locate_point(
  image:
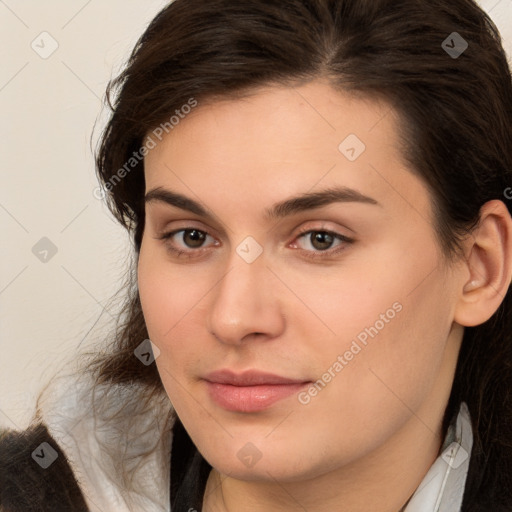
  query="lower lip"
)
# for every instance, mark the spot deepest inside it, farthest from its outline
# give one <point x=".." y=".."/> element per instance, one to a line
<point x="251" y="398"/>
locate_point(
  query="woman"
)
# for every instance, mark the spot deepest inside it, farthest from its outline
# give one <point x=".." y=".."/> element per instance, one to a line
<point x="319" y="197"/>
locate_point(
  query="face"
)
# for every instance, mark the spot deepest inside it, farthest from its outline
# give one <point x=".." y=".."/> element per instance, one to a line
<point x="285" y="235"/>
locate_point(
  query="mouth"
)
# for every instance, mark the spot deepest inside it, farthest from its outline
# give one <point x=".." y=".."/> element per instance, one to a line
<point x="250" y="391"/>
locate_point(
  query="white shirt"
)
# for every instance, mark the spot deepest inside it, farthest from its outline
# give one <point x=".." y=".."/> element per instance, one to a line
<point x="442" y="489"/>
<point x="120" y="455"/>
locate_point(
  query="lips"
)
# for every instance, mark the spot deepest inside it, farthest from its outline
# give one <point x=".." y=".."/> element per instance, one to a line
<point x="250" y="391"/>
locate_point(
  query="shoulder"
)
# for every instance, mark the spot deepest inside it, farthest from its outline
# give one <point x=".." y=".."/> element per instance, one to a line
<point x="35" y="475"/>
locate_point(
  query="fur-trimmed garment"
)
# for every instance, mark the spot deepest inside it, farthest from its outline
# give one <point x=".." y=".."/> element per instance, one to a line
<point x="108" y="450"/>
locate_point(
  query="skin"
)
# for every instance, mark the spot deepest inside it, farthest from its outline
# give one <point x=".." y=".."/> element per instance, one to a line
<point x="290" y="315"/>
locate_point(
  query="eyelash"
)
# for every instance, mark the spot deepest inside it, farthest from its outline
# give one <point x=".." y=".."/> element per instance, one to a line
<point x="313" y="255"/>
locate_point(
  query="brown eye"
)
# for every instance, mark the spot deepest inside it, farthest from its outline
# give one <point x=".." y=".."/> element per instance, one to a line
<point x="321" y="240"/>
<point x="317" y="244"/>
<point x="188" y="242"/>
<point x="193" y="238"/>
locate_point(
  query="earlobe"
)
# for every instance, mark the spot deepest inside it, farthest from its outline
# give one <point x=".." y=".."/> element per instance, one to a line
<point x="489" y="265"/>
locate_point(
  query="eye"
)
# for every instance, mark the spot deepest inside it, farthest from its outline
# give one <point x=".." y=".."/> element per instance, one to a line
<point x="319" y="240"/>
<point x="186" y="241"/>
<point x="191" y="242"/>
<point x="322" y="243"/>
<point x="192" y="238"/>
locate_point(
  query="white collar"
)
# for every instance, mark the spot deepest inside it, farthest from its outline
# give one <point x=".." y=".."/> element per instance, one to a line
<point x="120" y="456"/>
<point x="442" y="489"/>
<point x="119" y="450"/>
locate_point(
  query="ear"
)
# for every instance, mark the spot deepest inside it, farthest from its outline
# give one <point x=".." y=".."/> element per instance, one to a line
<point x="488" y="264"/>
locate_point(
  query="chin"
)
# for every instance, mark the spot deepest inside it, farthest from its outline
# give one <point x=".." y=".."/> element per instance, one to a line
<point x="265" y="461"/>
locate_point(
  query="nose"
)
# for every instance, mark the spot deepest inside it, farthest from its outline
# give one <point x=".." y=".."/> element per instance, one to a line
<point x="245" y="304"/>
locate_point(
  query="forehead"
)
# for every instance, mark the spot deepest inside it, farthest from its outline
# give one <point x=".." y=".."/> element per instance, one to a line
<point x="282" y="141"/>
<point x="313" y="116"/>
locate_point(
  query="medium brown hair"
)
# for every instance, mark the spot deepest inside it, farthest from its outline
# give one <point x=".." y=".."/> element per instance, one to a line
<point x="456" y="124"/>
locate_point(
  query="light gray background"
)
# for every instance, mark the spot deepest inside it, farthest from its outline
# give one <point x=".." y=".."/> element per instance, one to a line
<point x="49" y="107"/>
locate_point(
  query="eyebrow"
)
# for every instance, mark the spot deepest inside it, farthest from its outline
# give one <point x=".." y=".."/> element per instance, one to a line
<point x="294" y="205"/>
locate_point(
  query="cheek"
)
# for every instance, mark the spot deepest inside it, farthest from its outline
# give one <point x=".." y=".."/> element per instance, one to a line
<point x="165" y="299"/>
<point x="388" y="326"/>
<point x="173" y="305"/>
<point x="167" y="294"/>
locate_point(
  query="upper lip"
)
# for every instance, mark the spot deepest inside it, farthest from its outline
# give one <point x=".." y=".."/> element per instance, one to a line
<point x="249" y="378"/>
